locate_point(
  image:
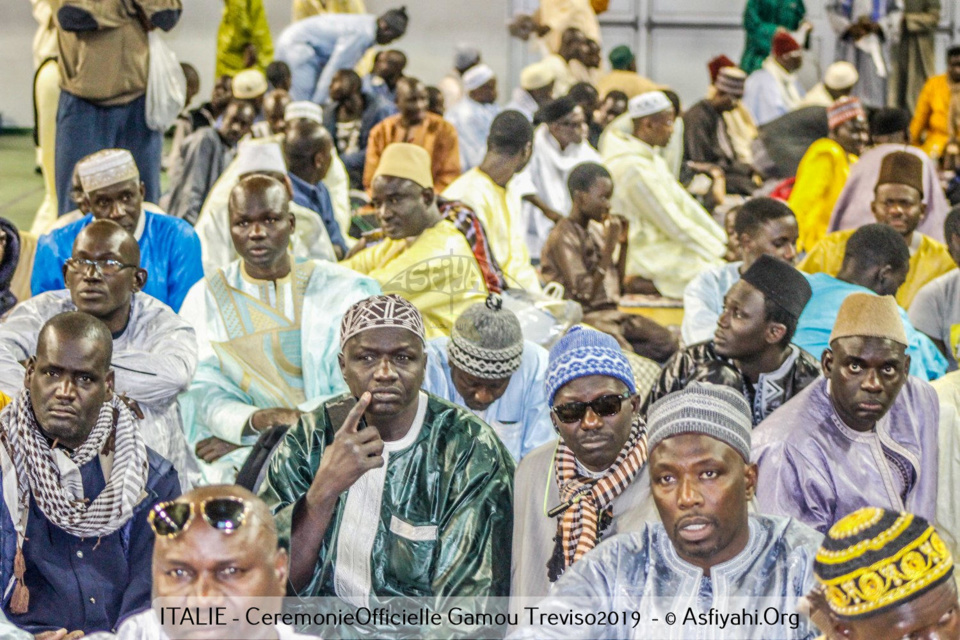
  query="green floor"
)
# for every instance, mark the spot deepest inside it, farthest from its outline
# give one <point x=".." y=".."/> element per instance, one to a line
<point x="21" y="188"/>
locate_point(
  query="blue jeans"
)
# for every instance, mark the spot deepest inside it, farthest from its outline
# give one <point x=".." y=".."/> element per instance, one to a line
<point x="84" y="127"/>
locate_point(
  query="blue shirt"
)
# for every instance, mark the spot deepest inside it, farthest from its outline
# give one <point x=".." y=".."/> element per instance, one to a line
<point x="521" y="416"/>
<point x="816" y="324"/>
<point x="90" y="584"/>
<point x="169" y="251"/>
<point x="375" y="85"/>
<point x="316" y="198"/>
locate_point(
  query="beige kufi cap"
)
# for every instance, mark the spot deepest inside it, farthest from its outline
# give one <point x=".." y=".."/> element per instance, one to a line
<point x="105" y="168"/>
<point x="249" y="84"/>
<point x="840" y="75"/>
<point x="867" y="315"/>
<point x="536" y="76"/>
<point x="408" y="161"/>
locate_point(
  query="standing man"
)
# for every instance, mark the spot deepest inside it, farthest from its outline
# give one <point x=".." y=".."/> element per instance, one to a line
<point x="474" y="113"/>
<point x="266" y="325"/>
<point x="487" y="366"/>
<point x="75" y="514"/>
<point x="912" y="57"/>
<point x="103" y="58"/>
<point x="317" y="47"/>
<point x="243" y="39"/>
<point x="112" y="190"/>
<point x="866" y="29"/>
<point x="418" y="502"/>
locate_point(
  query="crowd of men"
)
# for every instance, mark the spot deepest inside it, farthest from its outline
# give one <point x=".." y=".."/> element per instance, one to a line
<point x="372" y="340"/>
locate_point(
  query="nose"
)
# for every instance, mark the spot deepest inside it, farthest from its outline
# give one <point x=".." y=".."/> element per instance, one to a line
<point x="66" y="389"/>
<point x="483" y="396"/>
<point x="206" y="587"/>
<point x="117" y="211"/>
<point x="385" y="370"/>
<point x="724" y="319"/>
<point x="257" y="230"/>
<point x="688" y="495"/>
<point x="790" y="253"/>
<point x="872" y="382"/>
<point x="591" y="421"/>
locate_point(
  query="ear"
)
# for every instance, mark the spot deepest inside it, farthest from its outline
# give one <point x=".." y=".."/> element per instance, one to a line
<point x="635" y="403"/>
<point x="63" y="270"/>
<point x="143" y="190"/>
<point x="342" y="363"/>
<point x="428" y="196"/>
<point x="280" y="565"/>
<point x="750" y="480"/>
<point x="293" y="221"/>
<point x="84" y="204"/>
<point x="110" y="380"/>
<point x="775" y="332"/>
<point x="826" y="362"/>
<point x="841" y="629"/>
<point x="30" y="368"/>
<point x="906" y="364"/>
<point x="139" y="280"/>
<point x="556" y="424"/>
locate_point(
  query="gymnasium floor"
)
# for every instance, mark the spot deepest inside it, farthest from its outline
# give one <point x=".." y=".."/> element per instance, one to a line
<point x="21" y="189"/>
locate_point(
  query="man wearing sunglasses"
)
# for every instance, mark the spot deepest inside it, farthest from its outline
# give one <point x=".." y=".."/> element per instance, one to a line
<point x="573" y="493"/>
<point x="414" y="501"/>
<point x="751" y="346"/>
<point x="80" y="481"/>
<point x="217" y="544"/>
<point x="154" y="350"/>
<point x="708" y="554"/>
<point x="112" y="190"/>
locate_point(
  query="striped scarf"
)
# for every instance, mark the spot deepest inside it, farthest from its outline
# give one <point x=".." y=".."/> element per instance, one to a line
<point x="52" y="478"/>
<point x="578" y="527"/>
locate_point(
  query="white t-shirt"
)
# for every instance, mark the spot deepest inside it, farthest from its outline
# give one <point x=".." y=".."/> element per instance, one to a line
<point x="936" y="312"/>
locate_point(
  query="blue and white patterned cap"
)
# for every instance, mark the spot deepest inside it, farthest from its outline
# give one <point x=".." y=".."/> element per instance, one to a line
<point x="586" y="352"/>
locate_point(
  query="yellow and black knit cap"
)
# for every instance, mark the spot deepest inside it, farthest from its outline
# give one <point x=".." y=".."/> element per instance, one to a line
<point x="873" y="560"/>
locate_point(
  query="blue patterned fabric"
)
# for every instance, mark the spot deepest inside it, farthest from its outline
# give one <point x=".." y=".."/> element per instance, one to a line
<point x="586" y="352"/>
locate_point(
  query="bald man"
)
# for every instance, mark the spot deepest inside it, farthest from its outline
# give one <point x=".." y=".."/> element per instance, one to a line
<point x="308" y="152"/>
<point x="199" y="558"/>
<point x="80" y="481"/>
<point x="258" y="358"/>
<point x="154" y="350"/>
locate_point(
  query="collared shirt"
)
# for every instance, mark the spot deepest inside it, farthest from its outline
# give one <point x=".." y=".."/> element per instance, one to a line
<point x="521" y="416"/>
<point x="642" y="571"/>
<point x="169" y="252"/>
<point x="87" y="584"/>
<point x="316" y="197"/>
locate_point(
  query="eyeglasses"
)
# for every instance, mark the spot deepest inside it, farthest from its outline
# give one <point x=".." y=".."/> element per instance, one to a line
<point x="102" y="267"/>
<point x="170" y="519"/>
<point x="604" y="406"/>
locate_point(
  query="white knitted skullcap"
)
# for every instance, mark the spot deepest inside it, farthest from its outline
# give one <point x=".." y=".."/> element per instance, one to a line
<point x="477" y="76"/>
<point x="840" y="75"/>
<point x="649" y="103"/>
<point x="105" y="168"/>
<point x="249" y="84"/>
<point x="258" y="157"/>
<point x="303" y="109"/>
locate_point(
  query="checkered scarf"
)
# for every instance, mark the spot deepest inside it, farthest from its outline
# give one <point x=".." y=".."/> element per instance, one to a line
<point x="578" y="528"/>
<point x="42" y="472"/>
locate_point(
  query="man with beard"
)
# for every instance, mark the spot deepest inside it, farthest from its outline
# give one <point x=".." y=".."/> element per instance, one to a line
<point x="81" y="482"/>
<point x="707" y="550"/>
<point x="405" y="495"/>
<point x="112" y="190"/>
<point x="751" y="347"/>
<point x="865" y="434"/>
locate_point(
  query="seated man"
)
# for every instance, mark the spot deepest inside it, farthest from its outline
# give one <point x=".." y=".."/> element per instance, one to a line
<point x="307" y="151"/>
<point x="169" y="247"/>
<point x="559" y="144"/>
<point x="586" y="370"/>
<point x="81" y="481"/>
<point x="751" y="348"/>
<point x="838" y="82"/>
<point x="762" y="226"/>
<point x="416" y="503"/>
<point x="824" y="168"/>
<point x="773" y="89"/>
<point x="672" y="238"/>
<point x="487" y="366"/>
<point x="203" y="157"/>
<point x="154" y="351"/>
<point x="474" y="113"/>
<point x="708" y="550"/>
<point x="422" y="257"/>
<point x="888" y="132"/>
<point x="206" y="115"/>
<point x="936" y="310"/>
<point x="485" y="190"/>
<point x="623" y="75"/>
<point x="613" y="105"/>
<point x="274" y="122"/>
<point x="317" y="47"/>
<point x="864" y="434"/>
<point x="931" y="127"/>
<point x="199" y="534"/>
<point x="707" y="140"/>
<point x="898" y="203"/>
<point x="267" y="326"/>
<point x="416" y="125"/>
<point x="876" y="262"/>
<point x="310" y="240"/>
<point x="863" y="548"/>
<point x="588" y="272"/>
<point x="388" y="68"/>
<point x="739" y="123"/>
<point x="350" y="117"/>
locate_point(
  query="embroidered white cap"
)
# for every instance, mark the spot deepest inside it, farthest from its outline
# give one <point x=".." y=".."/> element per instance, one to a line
<point x="303" y="109"/>
<point x="649" y="103"/>
<point x="477" y="76"/>
<point x="105" y="168"/>
<point x="257" y="157"/>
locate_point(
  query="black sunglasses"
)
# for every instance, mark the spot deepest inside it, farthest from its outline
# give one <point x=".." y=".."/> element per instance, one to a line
<point x="170" y="519"/>
<point x="604" y="406"/>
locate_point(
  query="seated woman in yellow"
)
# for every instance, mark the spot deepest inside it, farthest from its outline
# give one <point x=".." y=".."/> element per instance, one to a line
<point x="931" y="129"/>
<point x="898" y="202"/>
<point x="824" y="169"/>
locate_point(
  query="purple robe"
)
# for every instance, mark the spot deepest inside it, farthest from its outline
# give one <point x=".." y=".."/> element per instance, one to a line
<point x="852" y="210"/>
<point x="817" y="470"/>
